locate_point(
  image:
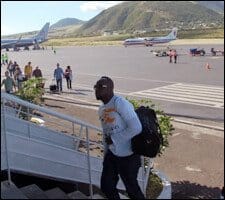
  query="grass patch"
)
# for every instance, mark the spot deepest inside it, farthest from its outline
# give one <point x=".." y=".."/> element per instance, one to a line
<point x="65" y="42"/>
<point x="201" y="34"/>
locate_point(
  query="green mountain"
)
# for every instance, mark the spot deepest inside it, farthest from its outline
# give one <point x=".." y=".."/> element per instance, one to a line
<point x="152" y="15"/>
<point x="67" y="22"/>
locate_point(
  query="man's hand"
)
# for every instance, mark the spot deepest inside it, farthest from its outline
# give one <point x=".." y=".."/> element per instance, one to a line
<point x="108" y="140"/>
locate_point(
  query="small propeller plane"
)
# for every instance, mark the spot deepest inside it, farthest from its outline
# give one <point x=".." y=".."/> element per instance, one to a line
<point x="150" y="41"/>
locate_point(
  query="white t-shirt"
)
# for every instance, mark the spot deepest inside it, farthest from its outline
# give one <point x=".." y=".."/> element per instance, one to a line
<point x="121" y="123"/>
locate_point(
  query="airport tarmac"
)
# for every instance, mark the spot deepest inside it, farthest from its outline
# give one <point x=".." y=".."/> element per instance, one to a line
<point x="183" y="89"/>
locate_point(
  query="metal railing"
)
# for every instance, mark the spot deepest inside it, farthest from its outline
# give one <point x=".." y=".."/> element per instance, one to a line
<point x="60" y="123"/>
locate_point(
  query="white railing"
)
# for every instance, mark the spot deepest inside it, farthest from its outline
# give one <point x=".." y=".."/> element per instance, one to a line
<point x="12" y="105"/>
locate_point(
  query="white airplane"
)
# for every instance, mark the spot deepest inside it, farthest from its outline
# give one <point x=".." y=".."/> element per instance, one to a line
<point x="149" y="41"/>
<point x="26" y="42"/>
<point x="8" y="43"/>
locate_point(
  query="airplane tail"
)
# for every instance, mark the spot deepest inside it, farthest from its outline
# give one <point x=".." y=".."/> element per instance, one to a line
<point x="173" y="34"/>
<point x="43" y="33"/>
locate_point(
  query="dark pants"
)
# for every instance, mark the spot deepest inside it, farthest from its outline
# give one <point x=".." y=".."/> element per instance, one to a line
<point x="175" y="59"/>
<point x="59" y="84"/>
<point x="11" y="73"/>
<point x="68" y="80"/>
<point x="127" y="167"/>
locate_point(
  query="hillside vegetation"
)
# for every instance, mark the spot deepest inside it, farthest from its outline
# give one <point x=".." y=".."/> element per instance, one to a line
<point x="67" y="22"/>
<point x="118" y="39"/>
<point x="152" y="15"/>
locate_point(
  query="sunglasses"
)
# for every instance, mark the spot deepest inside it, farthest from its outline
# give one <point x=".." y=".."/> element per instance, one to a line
<point x="100" y="86"/>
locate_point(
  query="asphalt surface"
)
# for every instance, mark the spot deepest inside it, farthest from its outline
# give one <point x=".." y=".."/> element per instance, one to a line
<point x="194" y="162"/>
<point x="183" y="89"/>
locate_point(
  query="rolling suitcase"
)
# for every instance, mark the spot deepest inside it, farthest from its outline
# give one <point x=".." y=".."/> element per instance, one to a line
<point x="53" y="87"/>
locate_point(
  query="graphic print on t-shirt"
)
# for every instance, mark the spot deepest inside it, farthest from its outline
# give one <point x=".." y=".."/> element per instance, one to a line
<point x="106" y="115"/>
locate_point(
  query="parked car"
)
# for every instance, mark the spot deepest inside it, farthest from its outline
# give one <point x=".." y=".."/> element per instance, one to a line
<point x="161" y="52"/>
<point x="196" y="51"/>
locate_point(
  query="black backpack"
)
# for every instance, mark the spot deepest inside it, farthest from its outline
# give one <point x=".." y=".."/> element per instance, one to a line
<point x="148" y="142"/>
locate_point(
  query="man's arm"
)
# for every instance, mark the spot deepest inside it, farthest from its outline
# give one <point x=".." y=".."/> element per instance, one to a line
<point x="105" y="144"/>
<point x="133" y="124"/>
<point x="133" y="128"/>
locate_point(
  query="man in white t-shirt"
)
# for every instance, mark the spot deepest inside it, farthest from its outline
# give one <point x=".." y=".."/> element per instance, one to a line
<point x="120" y="123"/>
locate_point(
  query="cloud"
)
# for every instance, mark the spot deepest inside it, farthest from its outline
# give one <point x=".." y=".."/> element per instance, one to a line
<point x="97" y="5"/>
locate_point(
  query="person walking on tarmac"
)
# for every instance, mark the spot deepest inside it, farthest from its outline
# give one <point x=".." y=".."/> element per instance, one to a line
<point x="37" y="72"/>
<point x="9" y="83"/>
<point x="58" y="75"/>
<point x="2" y="59"/>
<point x="28" y="71"/>
<point x="18" y="77"/>
<point x="6" y="58"/>
<point x="68" y="76"/>
<point x="170" y="55"/>
<point x="175" y="56"/>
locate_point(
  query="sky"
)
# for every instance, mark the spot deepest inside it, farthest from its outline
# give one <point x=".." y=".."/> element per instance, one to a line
<point x="26" y="16"/>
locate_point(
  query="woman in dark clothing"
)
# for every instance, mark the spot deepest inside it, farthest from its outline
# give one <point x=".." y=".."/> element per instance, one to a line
<point x="68" y="76"/>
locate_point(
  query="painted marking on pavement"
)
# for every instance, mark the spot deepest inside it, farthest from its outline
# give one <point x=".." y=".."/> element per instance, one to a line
<point x="193" y="169"/>
<point x="202" y="95"/>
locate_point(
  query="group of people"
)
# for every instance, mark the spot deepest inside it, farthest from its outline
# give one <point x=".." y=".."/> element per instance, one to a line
<point x="14" y="75"/>
<point x="59" y="74"/>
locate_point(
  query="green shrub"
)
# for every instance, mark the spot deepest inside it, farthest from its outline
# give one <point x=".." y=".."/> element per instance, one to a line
<point x="31" y="90"/>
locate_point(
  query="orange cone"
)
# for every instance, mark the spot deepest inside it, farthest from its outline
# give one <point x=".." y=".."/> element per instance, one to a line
<point x="207" y="66"/>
